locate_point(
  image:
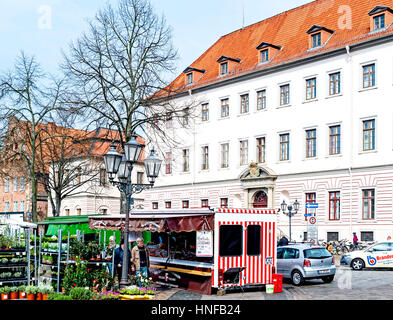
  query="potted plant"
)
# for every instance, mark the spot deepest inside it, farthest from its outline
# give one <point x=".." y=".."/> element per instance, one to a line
<point x="5" y="293"/>
<point x="46" y="290"/>
<point x="31" y="292"/>
<point x="22" y="292"/>
<point x="79" y="293"/>
<point x="38" y="295"/>
<point x="14" y="293"/>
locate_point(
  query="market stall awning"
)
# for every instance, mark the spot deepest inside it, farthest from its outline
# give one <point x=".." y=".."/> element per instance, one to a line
<point x="69" y="223"/>
<point x="163" y="221"/>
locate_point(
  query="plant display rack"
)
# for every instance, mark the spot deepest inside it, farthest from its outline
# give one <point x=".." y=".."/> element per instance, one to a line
<point x="54" y="258"/>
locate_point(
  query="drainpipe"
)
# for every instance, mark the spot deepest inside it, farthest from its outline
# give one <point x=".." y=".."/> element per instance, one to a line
<point x="194" y="154"/>
<point x="350" y="136"/>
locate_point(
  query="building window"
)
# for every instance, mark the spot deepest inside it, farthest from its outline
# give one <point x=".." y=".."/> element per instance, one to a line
<point x="311" y="143"/>
<point x="154" y="205"/>
<point x="316" y="40"/>
<point x="261" y="100"/>
<point x="261" y="150"/>
<point x="186" y="116"/>
<point x="7" y="206"/>
<point x="15" y="207"/>
<point x="335" y="83"/>
<point x="310" y="198"/>
<point x="368" y="200"/>
<point x="224" y="108"/>
<point x="332" y="236"/>
<point x="67" y="212"/>
<point x="224" y="202"/>
<point x="368" y="135"/>
<point x="265" y="55"/>
<point x="169" y="121"/>
<point x="225" y="155"/>
<point x="334" y="140"/>
<point x="103" y="177"/>
<point x="168" y="204"/>
<point x="284" y="95"/>
<point x="369" y="76"/>
<point x="224" y="68"/>
<point x="139" y="177"/>
<point x="185" y="204"/>
<point x="311" y="89"/>
<point x="79" y="211"/>
<point x="243" y="152"/>
<point x="366" y="236"/>
<point x="168" y="163"/>
<point x="22" y="206"/>
<point x="6" y="185"/>
<point x="22" y="183"/>
<point x="205" y="158"/>
<point x="16" y="184"/>
<point x="231" y="240"/>
<point x="244" y="103"/>
<point x="189" y="78"/>
<point x="379" y="22"/>
<point x="205" y="203"/>
<point x="334" y="205"/>
<point x="254" y="240"/>
<point x="205" y="112"/>
<point x="284" y="147"/>
<point x="186" y="160"/>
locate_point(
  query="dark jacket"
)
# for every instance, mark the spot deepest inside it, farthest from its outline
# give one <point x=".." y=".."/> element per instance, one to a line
<point x="283" y="242"/>
<point x="119" y="253"/>
<point x="135" y="257"/>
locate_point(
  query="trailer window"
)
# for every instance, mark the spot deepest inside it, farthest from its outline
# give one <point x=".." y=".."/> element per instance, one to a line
<point x="254" y="240"/>
<point x="231" y="240"/>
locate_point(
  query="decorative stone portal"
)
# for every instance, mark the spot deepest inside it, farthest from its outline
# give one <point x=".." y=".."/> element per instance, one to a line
<point x="258" y="184"/>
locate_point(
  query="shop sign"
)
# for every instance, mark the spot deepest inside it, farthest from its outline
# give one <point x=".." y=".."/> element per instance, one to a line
<point x="204" y="244"/>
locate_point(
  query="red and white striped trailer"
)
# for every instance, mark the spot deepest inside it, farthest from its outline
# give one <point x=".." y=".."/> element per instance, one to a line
<point x="257" y="258"/>
<point x="201" y="249"/>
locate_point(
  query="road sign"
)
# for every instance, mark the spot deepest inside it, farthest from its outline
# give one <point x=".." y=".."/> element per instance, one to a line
<point x="311" y="205"/>
<point x="312" y="228"/>
<point x="313" y="220"/>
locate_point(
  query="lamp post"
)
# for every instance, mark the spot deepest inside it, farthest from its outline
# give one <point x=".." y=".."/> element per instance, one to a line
<point x="122" y="165"/>
<point x="290" y="213"/>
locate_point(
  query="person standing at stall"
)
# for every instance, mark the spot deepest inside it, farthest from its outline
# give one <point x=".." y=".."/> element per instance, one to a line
<point x="140" y="258"/>
<point x="119" y="254"/>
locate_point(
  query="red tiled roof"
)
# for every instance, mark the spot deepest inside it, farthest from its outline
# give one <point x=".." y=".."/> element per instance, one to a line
<point x="288" y="30"/>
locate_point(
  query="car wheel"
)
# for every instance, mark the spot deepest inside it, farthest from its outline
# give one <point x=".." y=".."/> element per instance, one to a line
<point x="328" y="279"/>
<point x="297" y="278"/>
<point x="357" y="264"/>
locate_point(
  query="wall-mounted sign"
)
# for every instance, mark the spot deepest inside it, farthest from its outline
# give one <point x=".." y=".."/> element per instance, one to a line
<point x="204" y="244"/>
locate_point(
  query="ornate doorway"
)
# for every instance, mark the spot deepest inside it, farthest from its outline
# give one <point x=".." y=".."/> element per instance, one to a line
<point x="260" y="200"/>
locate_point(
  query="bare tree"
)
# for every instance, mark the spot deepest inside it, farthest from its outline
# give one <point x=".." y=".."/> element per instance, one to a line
<point x="27" y="97"/>
<point x="116" y="67"/>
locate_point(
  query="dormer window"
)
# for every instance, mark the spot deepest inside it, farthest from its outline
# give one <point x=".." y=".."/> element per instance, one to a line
<point x="379" y="22"/>
<point x="224" y="68"/>
<point x="316" y="40"/>
<point x="226" y="64"/>
<point x="319" y="36"/>
<point x="192" y="75"/>
<point x="267" y="52"/>
<point x="190" y="78"/>
<point x="265" y="55"/>
<point x="380" y="18"/>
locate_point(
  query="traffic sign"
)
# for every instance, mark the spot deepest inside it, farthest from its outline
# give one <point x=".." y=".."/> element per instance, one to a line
<point x="311" y="205"/>
<point x="313" y="220"/>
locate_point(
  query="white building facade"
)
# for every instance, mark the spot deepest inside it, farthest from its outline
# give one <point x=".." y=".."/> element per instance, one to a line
<point x="319" y="129"/>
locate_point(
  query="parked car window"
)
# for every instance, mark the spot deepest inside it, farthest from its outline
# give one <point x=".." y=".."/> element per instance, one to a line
<point x="317" y="253"/>
<point x="290" y="253"/>
<point x="280" y="252"/>
<point x="231" y="240"/>
<point x="382" y="247"/>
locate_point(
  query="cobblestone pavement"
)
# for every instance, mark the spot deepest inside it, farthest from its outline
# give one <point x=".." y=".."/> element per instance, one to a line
<point x="347" y="285"/>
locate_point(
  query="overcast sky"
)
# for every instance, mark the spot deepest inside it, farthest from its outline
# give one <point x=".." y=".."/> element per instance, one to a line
<point x="44" y="27"/>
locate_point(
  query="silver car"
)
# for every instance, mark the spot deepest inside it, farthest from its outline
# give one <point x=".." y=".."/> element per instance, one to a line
<point x="300" y="262"/>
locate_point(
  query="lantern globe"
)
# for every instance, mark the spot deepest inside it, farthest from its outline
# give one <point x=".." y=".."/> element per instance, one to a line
<point x="133" y="149"/>
<point x="152" y="166"/>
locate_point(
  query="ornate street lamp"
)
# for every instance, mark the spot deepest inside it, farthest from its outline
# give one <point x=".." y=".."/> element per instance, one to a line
<point x="292" y="210"/>
<point x="122" y="165"/>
